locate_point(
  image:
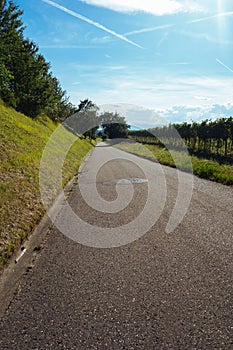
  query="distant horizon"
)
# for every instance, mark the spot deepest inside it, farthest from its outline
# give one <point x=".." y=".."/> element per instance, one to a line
<point x="170" y="60"/>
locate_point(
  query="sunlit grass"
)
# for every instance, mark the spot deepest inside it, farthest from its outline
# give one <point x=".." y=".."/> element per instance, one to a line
<point x="204" y="168"/>
<point x="22" y="141"/>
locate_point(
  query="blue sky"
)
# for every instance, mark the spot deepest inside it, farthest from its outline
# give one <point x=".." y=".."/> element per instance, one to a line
<point x="153" y="61"/>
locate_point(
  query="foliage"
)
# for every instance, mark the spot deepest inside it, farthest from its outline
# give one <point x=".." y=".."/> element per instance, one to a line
<point x="26" y="82"/>
<point x="114" y="125"/>
<point x="208" y="138"/>
<point x="84" y="121"/>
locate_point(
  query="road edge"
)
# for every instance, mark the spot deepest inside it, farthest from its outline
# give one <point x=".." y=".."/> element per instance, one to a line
<point x="24" y="257"/>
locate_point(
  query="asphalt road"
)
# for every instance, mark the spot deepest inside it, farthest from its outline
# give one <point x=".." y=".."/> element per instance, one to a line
<point x="143" y="290"/>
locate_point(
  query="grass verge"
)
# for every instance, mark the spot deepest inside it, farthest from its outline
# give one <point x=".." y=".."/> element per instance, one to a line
<point x="22" y="141"/>
<point x="203" y="168"/>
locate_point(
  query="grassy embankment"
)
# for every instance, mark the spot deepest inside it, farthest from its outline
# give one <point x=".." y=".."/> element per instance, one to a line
<point x="22" y="141"/>
<point x="204" y="168"/>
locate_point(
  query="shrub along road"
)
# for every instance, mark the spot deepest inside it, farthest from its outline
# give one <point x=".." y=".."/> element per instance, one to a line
<point x="162" y="291"/>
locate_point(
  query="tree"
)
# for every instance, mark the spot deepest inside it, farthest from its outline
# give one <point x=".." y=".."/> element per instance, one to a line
<point x="10" y="37"/>
<point x="25" y="78"/>
<point x="5" y="84"/>
<point x="114" y="125"/>
<point x="84" y="120"/>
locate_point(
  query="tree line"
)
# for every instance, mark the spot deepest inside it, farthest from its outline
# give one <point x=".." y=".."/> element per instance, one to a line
<point x="87" y="121"/>
<point x="207" y="138"/>
<point x="26" y="82"/>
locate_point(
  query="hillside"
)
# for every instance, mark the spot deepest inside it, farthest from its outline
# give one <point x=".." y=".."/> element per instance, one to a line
<point x="22" y="141"/>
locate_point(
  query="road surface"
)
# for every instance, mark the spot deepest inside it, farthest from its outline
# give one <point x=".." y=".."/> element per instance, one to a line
<point x="160" y="291"/>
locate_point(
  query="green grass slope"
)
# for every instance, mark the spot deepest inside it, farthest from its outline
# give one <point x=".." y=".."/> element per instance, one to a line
<point x="22" y="141"/>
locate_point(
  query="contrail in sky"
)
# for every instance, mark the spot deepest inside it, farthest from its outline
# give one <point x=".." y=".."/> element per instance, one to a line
<point x="224" y="65"/>
<point x="95" y="24"/>
<point x="146" y="30"/>
<point x="217" y="15"/>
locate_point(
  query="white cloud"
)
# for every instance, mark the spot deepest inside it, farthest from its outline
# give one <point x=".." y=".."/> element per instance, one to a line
<point x="149" y="29"/>
<point x="90" y="70"/>
<point x="178" y="64"/>
<point x="141" y="117"/>
<point x="162" y="91"/>
<point x="101" y="40"/>
<point x="224" y="65"/>
<point x="158" y="92"/>
<point x="161" y="41"/>
<point x="136" y="115"/>
<point x="203" y="98"/>
<point x="158" y="7"/>
<point x="191" y="113"/>
<point x="91" y="22"/>
<point x="217" y="15"/>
